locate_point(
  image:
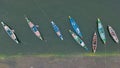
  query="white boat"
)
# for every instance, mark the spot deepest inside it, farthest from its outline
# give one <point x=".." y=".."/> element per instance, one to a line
<point x="9" y="32"/>
<point x="113" y="34"/>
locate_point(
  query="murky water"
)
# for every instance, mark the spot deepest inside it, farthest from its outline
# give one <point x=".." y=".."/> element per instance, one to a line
<point x="41" y="12"/>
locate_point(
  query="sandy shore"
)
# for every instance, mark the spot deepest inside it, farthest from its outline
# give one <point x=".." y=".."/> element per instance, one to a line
<point x="61" y="62"/>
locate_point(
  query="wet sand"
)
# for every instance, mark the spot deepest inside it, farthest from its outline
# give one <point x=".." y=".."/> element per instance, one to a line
<point x="61" y="62"/>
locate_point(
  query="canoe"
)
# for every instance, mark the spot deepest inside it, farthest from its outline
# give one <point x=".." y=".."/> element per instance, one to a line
<point x="10" y="32"/>
<point x="75" y="26"/>
<point x="56" y="29"/>
<point x="94" y="42"/>
<point x="101" y="31"/>
<point x="34" y="28"/>
<point x="113" y="34"/>
<point x="78" y="40"/>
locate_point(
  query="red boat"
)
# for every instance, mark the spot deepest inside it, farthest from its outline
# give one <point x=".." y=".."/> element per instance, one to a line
<point x="94" y="42"/>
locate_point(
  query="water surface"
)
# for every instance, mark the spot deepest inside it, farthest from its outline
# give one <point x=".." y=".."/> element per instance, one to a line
<point x="41" y="12"/>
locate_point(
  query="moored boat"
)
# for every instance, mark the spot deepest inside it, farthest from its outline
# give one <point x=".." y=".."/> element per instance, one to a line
<point x="34" y="28"/>
<point x="94" y="42"/>
<point x="78" y="40"/>
<point x="56" y="29"/>
<point x="10" y="32"/>
<point x="75" y="26"/>
<point x="113" y="34"/>
<point x="101" y="31"/>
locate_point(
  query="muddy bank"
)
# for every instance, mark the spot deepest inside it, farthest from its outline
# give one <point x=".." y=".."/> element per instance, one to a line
<point x="61" y="62"/>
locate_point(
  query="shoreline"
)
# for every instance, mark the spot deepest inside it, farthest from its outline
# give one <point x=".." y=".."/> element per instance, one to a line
<point x="30" y="61"/>
<point x="3" y="56"/>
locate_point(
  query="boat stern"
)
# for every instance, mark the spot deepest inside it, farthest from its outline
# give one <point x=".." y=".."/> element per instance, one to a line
<point x="69" y="17"/>
<point x="104" y="41"/>
<point x="40" y="38"/>
<point x="117" y="41"/>
<point x="108" y="26"/>
<point x="94" y="51"/>
<point x="52" y="22"/>
<point x="27" y="19"/>
<point x="16" y="41"/>
<point x="61" y="38"/>
<point x="95" y="33"/>
<point x="98" y="19"/>
<point x="2" y="24"/>
<point x="84" y="46"/>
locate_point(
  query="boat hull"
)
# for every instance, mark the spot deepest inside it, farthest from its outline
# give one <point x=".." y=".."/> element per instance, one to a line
<point x="9" y="32"/>
<point x="78" y="40"/>
<point x="75" y="26"/>
<point x="94" y="42"/>
<point x="113" y="34"/>
<point x="56" y="29"/>
<point x="34" y="28"/>
<point x="101" y="31"/>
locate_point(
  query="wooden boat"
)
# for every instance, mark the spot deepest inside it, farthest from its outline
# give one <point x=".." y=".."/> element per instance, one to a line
<point x="75" y="26"/>
<point x="113" y="34"/>
<point x="10" y="32"/>
<point x="94" y="42"/>
<point x="34" y="28"/>
<point x="78" y="40"/>
<point x="56" y="29"/>
<point x="101" y="31"/>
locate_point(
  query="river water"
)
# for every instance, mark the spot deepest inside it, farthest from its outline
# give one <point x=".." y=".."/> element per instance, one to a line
<point x="41" y="12"/>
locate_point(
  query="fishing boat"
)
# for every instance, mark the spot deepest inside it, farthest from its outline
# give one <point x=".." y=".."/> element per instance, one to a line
<point x="113" y="34"/>
<point x="10" y="32"/>
<point x="101" y="31"/>
<point x="56" y="29"/>
<point x="75" y="26"/>
<point x="34" y="28"/>
<point x="78" y="40"/>
<point x="94" y="42"/>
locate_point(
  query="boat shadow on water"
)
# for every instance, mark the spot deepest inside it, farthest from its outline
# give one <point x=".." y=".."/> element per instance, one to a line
<point x="18" y="39"/>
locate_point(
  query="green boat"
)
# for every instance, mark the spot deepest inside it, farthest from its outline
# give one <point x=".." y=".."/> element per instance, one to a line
<point x="78" y="40"/>
<point x="101" y="31"/>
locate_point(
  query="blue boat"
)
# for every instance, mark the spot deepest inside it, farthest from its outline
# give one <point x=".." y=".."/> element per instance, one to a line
<point x="56" y="29"/>
<point x="75" y="26"/>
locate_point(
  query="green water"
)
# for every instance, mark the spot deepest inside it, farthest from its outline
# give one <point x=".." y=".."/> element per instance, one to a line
<point x="41" y="12"/>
